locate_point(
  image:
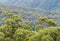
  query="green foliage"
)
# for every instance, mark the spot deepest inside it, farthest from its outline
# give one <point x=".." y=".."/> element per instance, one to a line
<point x="9" y="39"/>
<point x="45" y="20"/>
<point x="58" y="38"/>
<point x="51" y="22"/>
<point x="42" y="19"/>
<point x="34" y="38"/>
<point x="47" y="38"/>
<point x="38" y="27"/>
<point x="26" y="25"/>
<point x="2" y="36"/>
<point x="7" y="30"/>
<point x="17" y="29"/>
<point x="21" y="34"/>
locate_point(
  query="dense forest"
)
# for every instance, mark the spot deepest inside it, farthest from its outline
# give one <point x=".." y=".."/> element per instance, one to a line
<point x="14" y="28"/>
<point x="29" y="20"/>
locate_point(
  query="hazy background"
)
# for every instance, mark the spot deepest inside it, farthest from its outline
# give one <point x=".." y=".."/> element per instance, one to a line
<point x="3" y="0"/>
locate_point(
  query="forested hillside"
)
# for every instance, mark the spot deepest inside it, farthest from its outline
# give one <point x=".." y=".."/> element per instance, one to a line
<point x="32" y="14"/>
<point x="14" y="28"/>
<point x="29" y="20"/>
<point x="23" y="24"/>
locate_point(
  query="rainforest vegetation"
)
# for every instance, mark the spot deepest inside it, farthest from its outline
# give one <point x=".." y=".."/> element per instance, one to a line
<point x="14" y="28"/>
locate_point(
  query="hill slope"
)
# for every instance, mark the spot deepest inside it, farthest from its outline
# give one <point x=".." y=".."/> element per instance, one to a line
<point x="31" y="14"/>
<point x="42" y="4"/>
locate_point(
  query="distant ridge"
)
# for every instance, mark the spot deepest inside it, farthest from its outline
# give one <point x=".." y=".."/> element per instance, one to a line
<point x="40" y="4"/>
